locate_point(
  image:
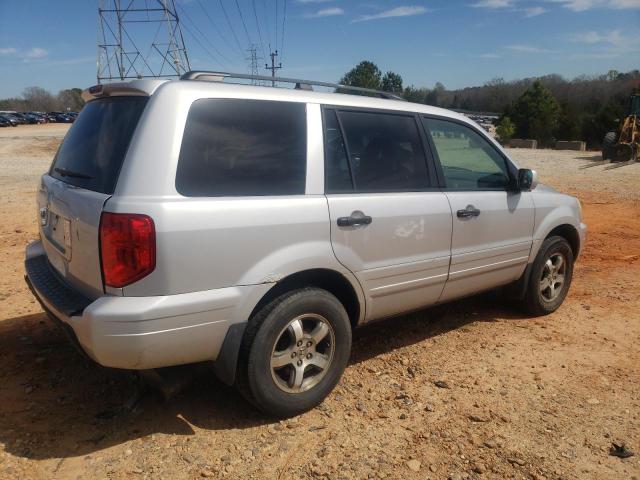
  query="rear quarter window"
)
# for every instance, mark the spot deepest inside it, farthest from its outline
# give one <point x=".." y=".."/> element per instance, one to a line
<point x="234" y="147"/>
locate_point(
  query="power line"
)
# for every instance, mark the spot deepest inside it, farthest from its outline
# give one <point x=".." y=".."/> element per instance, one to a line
<point x="201" y="45"/>
<point x="246" y="31"/>
<point x="233" y="32"/>
<point x="276" y="22"/>
<point x="284" y="20"/>
<point x="215" y="25"/>
<point x="266" y="22"/>
<point x="255" y="13"/>
<point x="184" y="11"/>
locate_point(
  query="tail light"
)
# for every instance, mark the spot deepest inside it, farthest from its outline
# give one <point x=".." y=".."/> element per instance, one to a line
<point x="127" y="247"/>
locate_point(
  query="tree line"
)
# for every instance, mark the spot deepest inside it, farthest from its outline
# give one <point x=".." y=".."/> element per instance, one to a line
<point x="37" y="99"/>
<point x="546" y="108"/>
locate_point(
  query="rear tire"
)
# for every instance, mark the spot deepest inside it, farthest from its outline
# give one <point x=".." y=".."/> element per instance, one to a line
<point x="550" y="277"/>
<point x="294" y="352"/>
<point x="608" y="143"/>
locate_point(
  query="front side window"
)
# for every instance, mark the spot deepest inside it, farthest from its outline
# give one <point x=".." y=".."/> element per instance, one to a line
<point x="235" y="147"/>
<point x="385" y="153"/>
<point x="469" y="161"/>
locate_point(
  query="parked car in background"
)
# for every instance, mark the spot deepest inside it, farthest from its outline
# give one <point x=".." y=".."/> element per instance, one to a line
<point x="62" y="117"/>
<point x="17" y="118"/>
<point x="4" y="122"/>
<point x="37" y="117"/>
<point x="11" y="119"/>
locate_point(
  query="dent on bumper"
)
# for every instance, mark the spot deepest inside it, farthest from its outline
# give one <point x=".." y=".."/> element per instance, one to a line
<point x="152" y="332"/>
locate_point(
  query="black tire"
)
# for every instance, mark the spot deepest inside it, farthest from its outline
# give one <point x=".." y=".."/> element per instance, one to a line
<point x="537" y="302"/>
<point x="608" y="143"/>
<point x="256" y="381"/>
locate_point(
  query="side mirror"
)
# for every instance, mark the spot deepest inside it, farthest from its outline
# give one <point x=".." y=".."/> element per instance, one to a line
<point x="527" y="179"/>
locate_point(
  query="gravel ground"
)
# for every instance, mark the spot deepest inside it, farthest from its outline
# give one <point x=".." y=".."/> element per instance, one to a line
<point x="471" y="390"/>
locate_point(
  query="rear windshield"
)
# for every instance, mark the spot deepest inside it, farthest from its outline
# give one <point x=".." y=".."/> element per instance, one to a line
<point x="93" y="150"/>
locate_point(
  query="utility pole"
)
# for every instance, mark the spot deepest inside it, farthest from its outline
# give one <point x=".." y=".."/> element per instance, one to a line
<point x="273" y="66"/>
<point x="139" y="39"/>
<point x="253" y="63"/>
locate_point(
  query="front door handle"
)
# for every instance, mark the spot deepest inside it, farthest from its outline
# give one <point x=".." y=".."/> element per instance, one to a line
<point x="356" y="218"/>
<point x="468" y="212"/>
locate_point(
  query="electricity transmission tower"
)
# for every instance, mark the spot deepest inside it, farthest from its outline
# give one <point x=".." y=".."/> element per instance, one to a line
<point x="126" y="27"/>
<point x="253" y="60"/>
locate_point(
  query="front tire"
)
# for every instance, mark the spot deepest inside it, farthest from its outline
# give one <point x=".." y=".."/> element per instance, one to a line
<point x="294" y="352"/>
<point x="550" y="277"/>
<point x="608" y="145"/>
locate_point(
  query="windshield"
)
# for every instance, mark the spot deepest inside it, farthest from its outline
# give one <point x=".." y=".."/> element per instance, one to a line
<point x="93" y="150"/>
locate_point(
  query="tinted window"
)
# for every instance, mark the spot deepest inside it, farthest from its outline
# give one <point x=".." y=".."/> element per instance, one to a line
<point x="243" y="148"/>
<point x="385" y="152"/>
<point x="337" y="172"/>
<point x="94" y="148"/>
<point x="469" y="161"/>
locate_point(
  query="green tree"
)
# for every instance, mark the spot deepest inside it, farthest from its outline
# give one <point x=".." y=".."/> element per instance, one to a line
<point x="505" y="129"/>
<point x="435" y="96"/>
<point x="71" y="99"/>
<point x="366" y="75"/>
<point x="392" y="82"/>
<point x="415" y="95"/>
<point x="569" y="124"/>
<point x="535" y="114"/>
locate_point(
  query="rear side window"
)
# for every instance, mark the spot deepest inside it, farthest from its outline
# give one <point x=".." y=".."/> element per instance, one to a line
<point x="384" y="153"/>
<point x="237" y="147"/>
<point x="93" y="150"/>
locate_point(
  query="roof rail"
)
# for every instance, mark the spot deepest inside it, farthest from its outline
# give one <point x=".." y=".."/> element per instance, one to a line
<point x="299" y="84"/>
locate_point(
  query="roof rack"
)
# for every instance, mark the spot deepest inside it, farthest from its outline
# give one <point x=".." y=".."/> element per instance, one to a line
<point x="299" y="84"/>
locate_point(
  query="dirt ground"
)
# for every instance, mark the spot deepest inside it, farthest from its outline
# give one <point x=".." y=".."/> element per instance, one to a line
<point x="527" y="398"/>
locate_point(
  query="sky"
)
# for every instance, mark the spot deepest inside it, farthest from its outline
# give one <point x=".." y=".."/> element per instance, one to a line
<point x="53" y="44"/>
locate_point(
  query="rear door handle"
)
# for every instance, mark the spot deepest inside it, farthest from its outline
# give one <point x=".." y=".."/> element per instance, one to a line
<point x="354" y="220"/>
<point x="468" y="212"/>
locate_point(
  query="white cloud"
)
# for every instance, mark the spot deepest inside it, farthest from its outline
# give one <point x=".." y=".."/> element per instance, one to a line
<point x="525" y="49"/>
<point x="493" y="4"/>
<point x="79" y="60"/>
<point x="35" y="53"/>
<point x="405" y="11"/>
<point x="489" y="55"/>
<point x="534" y="11"/>
<point x="614" y="38"/>
<point x="313" y="1"/>
<point x="326" y="12"/>
<point x="8" y="51"/>
<point x="583" y="5"/>
<point x="607" y="44"/>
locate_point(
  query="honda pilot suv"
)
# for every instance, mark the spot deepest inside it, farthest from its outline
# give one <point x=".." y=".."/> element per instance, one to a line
<point x="254" y="228"/>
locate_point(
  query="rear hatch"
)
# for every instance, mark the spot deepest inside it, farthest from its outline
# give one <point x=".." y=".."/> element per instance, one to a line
<point x="82" y="177"/>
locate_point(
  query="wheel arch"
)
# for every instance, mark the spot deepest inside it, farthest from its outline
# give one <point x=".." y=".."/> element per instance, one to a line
<point x="565" y="230"/>
<point x="349" y="294"/>
<point x="334" y="282"/>
<point x="570" y="234"/>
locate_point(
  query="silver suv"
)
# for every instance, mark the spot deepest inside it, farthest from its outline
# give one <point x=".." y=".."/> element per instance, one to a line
<point x="254" y="228"/>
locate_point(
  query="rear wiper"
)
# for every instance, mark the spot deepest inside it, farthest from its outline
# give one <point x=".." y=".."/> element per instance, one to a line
<point x="70" y="173"/>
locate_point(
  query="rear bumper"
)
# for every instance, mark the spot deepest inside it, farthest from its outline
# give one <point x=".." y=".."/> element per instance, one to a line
<point x="142" y="332"/>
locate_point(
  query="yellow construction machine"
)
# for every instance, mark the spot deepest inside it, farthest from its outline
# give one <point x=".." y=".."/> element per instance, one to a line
<point x="623" y="144"/>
